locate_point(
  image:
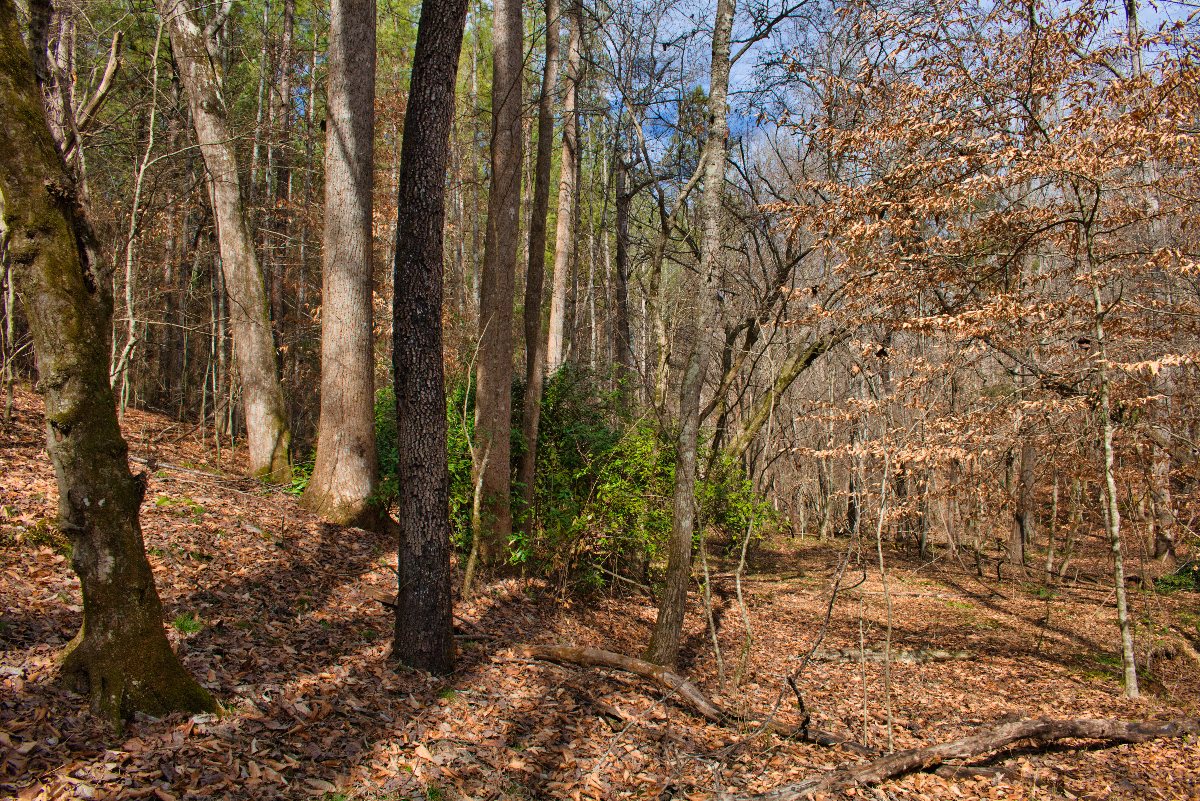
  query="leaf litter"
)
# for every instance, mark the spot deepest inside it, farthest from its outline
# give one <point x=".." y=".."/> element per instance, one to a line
<point x="283" y="627"/>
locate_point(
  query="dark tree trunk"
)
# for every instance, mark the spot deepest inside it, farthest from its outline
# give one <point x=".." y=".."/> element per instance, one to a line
<point x="346" y="470"/>
<point x="624" y="340"/>
<point x="424" y="635"/>
<point x="535" y="347"/>
<point x="281" y="215"/>
<point x="120" y="657"/>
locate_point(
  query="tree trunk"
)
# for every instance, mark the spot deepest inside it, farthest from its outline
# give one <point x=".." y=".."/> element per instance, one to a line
<point x="424" y="634"/>
<point x="624" y="340"/>
<point x="1160" y="467"/>
<point x="121" y="656"/>
<point x="1112" y="517"/>
<point x="564" y="241"/>
<point x="493" y="394"/>
<point x="990" y="739"/>
<point x="535" y="356"/>
<point x="267" y="429"/>
<point x="280" y="216"/>
<point x="346" y="470"/>
<point x="664" y="640"/>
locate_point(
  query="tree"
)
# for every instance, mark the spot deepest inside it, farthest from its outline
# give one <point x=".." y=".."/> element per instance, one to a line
<point x="535" y="347"/>
<point x="664" y="640"/>
<point x="267" y="430"/>
<point x="493" y="393"/>
<point x="424" y="635"/>
<point x="346" y="470"/>
<point x="120" y="657"/>
<point x="568" y="188"/>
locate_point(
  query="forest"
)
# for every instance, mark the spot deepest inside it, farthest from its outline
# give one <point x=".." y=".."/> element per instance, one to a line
<point x="598" y="399"/>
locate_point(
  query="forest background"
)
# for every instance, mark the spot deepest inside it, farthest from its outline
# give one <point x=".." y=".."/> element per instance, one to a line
<point x="840" y="265"/>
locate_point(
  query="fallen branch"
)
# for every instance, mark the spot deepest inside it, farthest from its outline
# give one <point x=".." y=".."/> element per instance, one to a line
<point x="595" y="657"/>
<point x="919" y="656"/>
<point x="1041" y="731"/>
<point x="688" y="692"/>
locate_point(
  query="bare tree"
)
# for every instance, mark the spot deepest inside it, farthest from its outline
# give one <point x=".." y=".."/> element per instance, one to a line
<point x="535" y="347"/>
<point x="664" y="640"/>
<point x="493" y="394"/>
<point x="568" y="187"/>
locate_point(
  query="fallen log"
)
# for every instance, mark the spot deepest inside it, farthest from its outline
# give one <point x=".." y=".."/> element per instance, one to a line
<point x="688" y="692"/>
<point x="1041" y="731"/>
<point x="595" y="657"/>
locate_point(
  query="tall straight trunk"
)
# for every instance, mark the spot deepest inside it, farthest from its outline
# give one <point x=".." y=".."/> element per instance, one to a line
<point x="1160" y="467"/>
<point x="494" y="372"/>
<point x="267" y="431"/>
<point x="1112" y="516"/>
<point x="346" y="470"/>
<point x="424" y="634"/>
<point x="564" y="239"/>
<point x="664" y="640"/>
<point x="535" y="347"/>
<point x="623" y="336"/>
<point x="120" y="657"/>
<point x="280" y="218"/>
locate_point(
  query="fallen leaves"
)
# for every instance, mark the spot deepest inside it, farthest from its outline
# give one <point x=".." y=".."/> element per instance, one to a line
<point x="296" y="648"/>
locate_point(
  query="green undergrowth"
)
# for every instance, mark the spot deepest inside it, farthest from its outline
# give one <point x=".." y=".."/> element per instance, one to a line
<point x="602" y="500"/>
<point x="1185" y="578"/>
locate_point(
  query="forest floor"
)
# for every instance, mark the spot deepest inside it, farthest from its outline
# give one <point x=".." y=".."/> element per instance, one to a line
<point x="273" y="611"/>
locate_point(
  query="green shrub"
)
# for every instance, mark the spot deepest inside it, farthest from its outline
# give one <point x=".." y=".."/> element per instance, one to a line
<point x="603" y="485"/>
<point x="459" y="453"/>
<point x="1186" y="577"/>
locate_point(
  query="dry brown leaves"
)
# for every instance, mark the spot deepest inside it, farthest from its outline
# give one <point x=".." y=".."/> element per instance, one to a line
<point x="291" y="641"/>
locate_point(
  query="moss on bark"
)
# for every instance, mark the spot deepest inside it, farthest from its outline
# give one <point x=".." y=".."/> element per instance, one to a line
<point x="121" y="657"/>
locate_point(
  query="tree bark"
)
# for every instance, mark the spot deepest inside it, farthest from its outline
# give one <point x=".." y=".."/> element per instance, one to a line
<point x="624" y="340"/>
<point x="424" y="634"/>
<point x="493" y="394"/>
<point x="664" y="640"/>
<point x="267" y="430"/>
<point x="121" y="656"/>
<point x="1112" y="517"/>
<point x="535" y="346"/>
<point x="1160" y="467"/>
<point x="280" y="215"/>
<point x="346" y="471"/>
<point x="564" y="241"/>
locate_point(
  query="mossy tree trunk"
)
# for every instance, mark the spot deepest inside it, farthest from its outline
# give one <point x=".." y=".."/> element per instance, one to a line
<point x="121" y="656"/>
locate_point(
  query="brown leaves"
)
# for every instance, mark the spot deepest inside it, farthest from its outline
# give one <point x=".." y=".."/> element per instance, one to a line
<point x="297" y="651"/>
